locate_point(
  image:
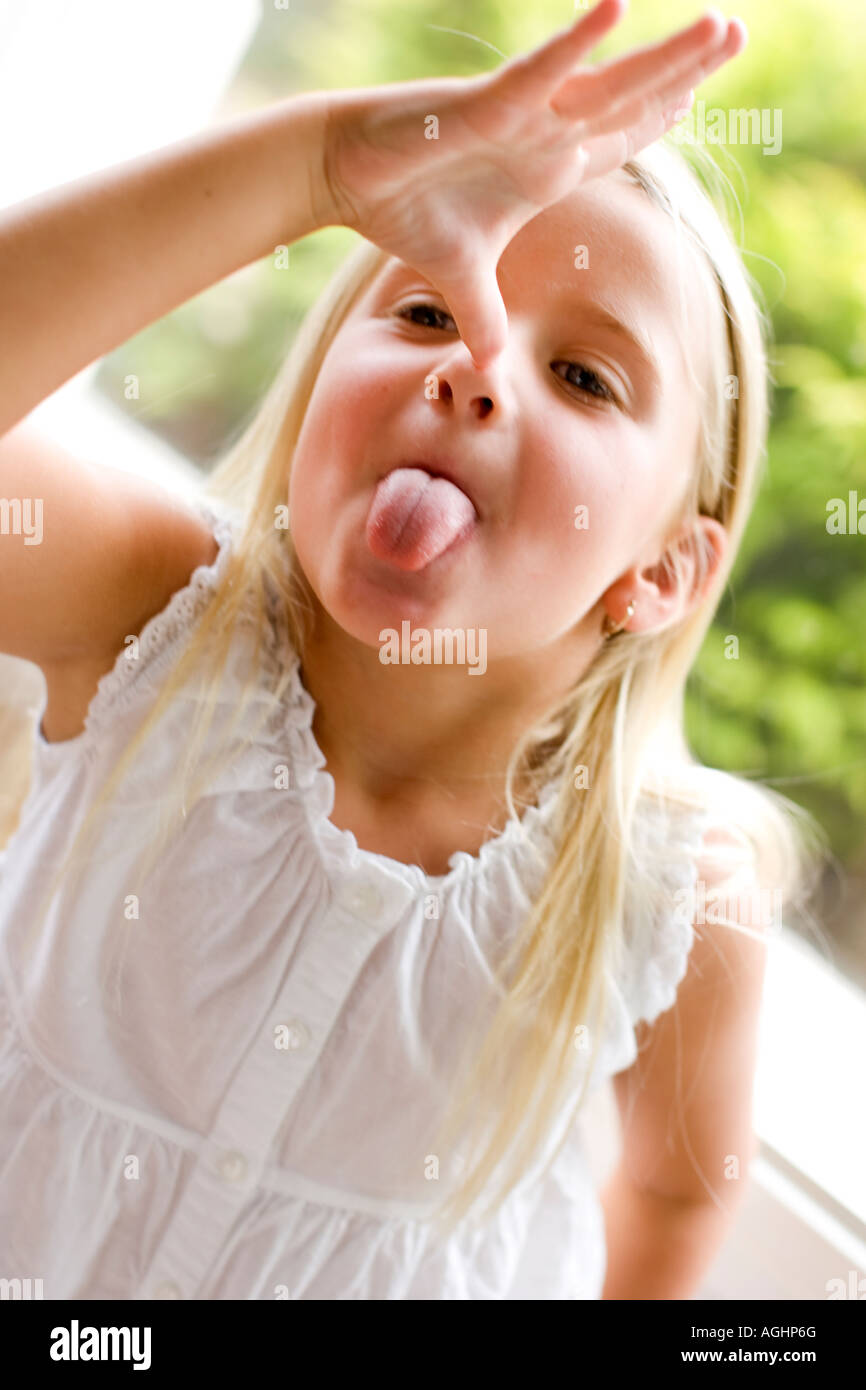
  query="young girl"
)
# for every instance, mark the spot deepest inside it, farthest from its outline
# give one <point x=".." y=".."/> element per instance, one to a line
<point x="312" y="942"/>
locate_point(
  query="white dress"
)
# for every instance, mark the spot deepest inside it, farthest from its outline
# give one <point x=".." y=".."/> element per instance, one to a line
<point x="247" y="1112"/>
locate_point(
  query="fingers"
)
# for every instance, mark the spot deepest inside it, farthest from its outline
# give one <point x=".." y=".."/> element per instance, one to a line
<point x="476" y="303"/>
<point x="601" y="91"/>
<point x="653" y="101"/>
<point x="607" y="152"/>
<point x="537" y="75"/>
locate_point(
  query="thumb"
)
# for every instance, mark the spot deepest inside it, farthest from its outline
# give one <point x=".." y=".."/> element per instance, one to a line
<point x="479" y="312"/>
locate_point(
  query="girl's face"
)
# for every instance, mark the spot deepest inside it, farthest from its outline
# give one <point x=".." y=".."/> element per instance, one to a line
<point x="589" y="406"/>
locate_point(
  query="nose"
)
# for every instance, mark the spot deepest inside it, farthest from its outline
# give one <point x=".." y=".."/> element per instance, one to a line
<point x="456" y="383"/>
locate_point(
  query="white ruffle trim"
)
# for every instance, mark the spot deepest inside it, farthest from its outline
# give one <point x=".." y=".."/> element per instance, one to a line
<point x="519" y="840"/>
<point x="658" y="930"/>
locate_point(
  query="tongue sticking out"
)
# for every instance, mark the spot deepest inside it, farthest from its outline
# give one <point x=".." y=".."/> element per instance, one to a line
<point x="415" y="517"/>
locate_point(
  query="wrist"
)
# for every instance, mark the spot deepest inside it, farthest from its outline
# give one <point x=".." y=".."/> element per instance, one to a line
<point x="318" y="115"/>
<point x="277" y="158"/>
<point x="310" y="129"/>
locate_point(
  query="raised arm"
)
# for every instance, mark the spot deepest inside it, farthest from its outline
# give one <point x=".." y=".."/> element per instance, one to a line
<point x="88" y="264"/>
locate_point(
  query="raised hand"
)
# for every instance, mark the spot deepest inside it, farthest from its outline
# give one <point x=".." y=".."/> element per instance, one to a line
<point x="505" y="145"/>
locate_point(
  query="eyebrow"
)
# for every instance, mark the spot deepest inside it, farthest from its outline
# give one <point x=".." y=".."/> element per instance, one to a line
<point x="593" y="312"/>
<point x="596" y="313"/>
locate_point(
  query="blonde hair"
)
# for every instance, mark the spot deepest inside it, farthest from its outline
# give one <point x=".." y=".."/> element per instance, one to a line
<point x="623" y="721"/>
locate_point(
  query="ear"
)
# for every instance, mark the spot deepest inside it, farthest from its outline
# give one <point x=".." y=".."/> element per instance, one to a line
<point x="672" y="585"/>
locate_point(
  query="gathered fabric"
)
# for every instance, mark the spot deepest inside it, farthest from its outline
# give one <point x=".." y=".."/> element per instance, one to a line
<point x="227" y="1085"/>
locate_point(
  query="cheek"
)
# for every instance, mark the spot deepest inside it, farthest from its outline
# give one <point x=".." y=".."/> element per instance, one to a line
<point x="589" y="494"/>
<point x="575" y="484"/>
<point x="356" y="395"/>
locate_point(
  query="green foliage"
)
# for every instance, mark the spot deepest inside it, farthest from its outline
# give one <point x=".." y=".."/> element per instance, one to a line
<point x="789" y="708"/>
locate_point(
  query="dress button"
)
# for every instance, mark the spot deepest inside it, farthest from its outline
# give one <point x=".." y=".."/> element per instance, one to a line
<point x="232" y="1167"/>
<point x="295" y="1033"/>
<point x="363" y="900"/>
<point x="168" y="1289"/>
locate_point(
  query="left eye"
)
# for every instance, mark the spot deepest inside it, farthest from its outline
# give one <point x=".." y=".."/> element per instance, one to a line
<point x="428" y="309"/>
<point x="596" y="386"/>
<point x="590" y="384"/>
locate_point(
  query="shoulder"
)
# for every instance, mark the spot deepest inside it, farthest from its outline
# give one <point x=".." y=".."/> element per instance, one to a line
<point x="725" y="855"/>
<point x="725" y="913"/>
<point x="172" y="538"/>
<point x="170" y="541"/>
<point x="693" y="878"/>
<point x="734" y="914"/>
<point x="682" y="852"/>
<point x="98" y="553"/>
<point x="670" y="855"/>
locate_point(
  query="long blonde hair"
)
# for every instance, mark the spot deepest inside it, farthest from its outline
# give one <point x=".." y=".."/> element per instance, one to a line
<point x="623" y="721"/>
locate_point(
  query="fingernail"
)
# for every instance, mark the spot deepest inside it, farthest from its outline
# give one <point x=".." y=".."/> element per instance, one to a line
<point x="718" y="19"/>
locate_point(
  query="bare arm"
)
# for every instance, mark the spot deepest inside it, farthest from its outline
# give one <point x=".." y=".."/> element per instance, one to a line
<point x="686" y="1103"/>
<point x="86" y="265"/>
<point x="658" y="1247"/>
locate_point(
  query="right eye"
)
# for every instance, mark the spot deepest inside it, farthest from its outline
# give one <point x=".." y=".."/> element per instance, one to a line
<point x="426" y="308"/>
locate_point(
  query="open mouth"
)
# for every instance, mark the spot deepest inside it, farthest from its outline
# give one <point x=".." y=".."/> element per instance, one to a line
<point x="416" y="515"/>
<point x="440" y="470"/>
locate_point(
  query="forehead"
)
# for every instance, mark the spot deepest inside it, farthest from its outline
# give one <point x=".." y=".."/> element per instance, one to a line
<point x="606" y="246"/>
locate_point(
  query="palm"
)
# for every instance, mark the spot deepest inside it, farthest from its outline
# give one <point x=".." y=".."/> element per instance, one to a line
<point x="505" y="146"/>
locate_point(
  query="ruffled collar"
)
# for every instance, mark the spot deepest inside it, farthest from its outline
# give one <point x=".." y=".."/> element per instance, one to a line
<point x="522" y="846"/>
<point x="519" y="838"/>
